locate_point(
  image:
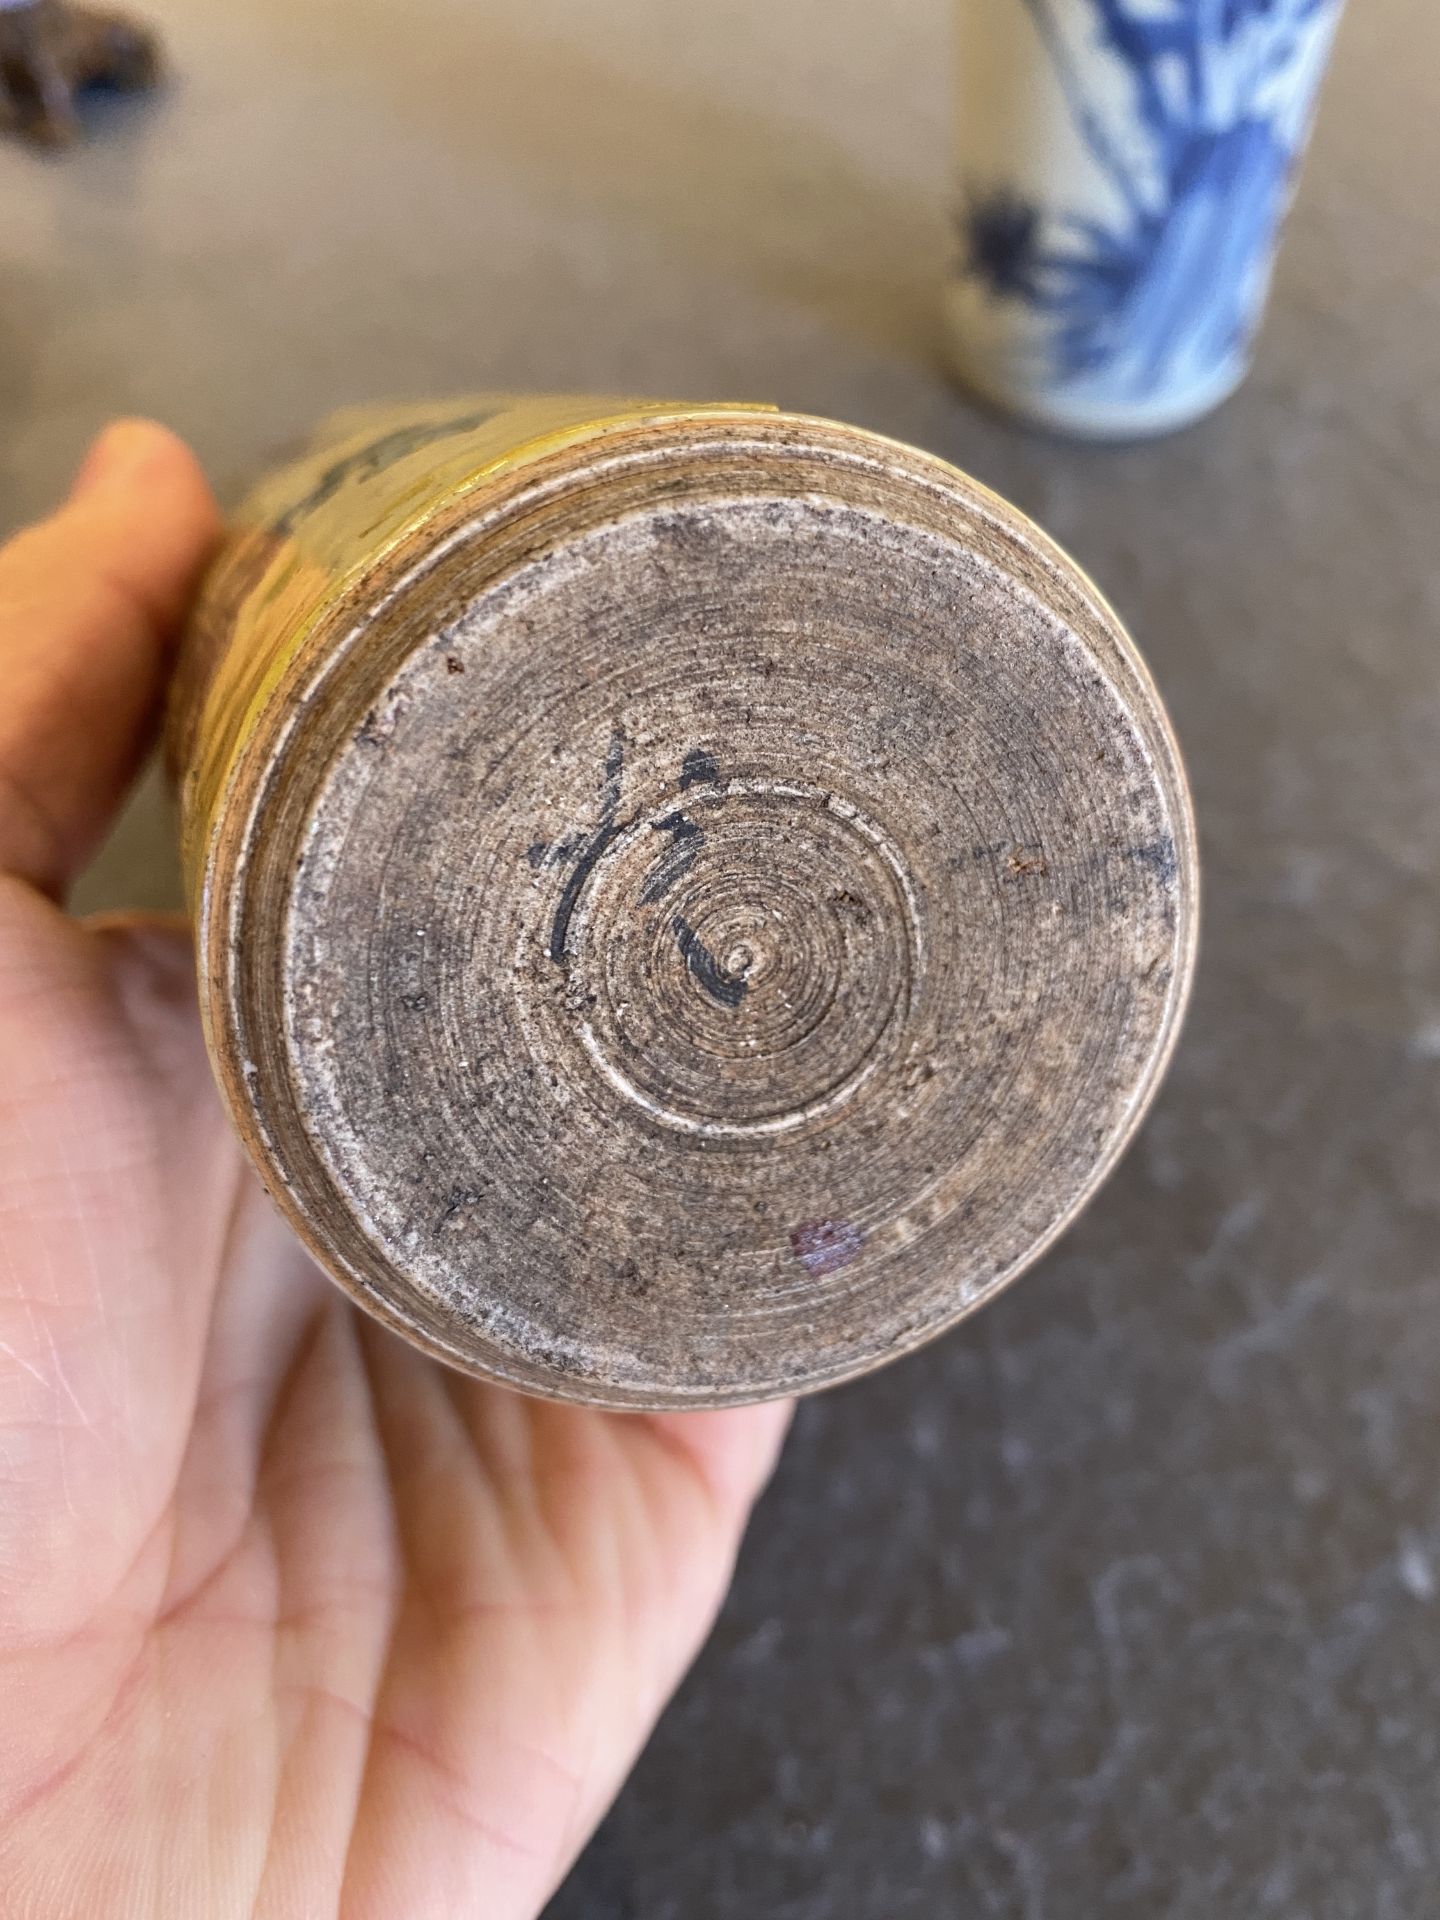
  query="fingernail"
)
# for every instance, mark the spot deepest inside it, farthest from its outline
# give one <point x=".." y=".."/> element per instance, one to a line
<point x="121" y="448"/>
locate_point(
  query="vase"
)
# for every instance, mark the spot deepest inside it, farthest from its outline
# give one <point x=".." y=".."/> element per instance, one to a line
<point x="1124" y="170"/>
<point x="689" y="900"/>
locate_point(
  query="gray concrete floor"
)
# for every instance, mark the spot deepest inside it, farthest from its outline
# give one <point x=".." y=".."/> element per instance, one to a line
<point x="1124" y="1599"/>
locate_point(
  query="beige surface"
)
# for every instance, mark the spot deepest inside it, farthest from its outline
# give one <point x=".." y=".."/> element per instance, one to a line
<point x="1122" y="1601"/>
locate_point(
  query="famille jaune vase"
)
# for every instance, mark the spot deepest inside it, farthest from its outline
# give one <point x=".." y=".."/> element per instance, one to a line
<point x="689" y="900"/>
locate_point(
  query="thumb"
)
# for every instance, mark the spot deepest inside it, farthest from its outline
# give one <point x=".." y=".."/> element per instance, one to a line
<point x="90" y="603"/>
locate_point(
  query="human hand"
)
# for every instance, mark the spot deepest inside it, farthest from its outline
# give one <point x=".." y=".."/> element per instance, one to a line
<point x="293" y="1621"/>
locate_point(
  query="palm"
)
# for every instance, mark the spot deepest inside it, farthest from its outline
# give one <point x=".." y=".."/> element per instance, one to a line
<point x="292" y="1621"/>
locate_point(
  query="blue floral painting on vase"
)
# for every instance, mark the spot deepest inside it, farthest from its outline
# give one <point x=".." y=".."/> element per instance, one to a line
<point x="1154" y="283"/>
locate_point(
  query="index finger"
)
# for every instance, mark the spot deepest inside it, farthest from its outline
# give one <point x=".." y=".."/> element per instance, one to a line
<point x="91" y="602"/>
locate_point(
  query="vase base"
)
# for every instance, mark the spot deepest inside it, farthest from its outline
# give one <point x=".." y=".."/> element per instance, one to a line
<point x="1081" y="416"/>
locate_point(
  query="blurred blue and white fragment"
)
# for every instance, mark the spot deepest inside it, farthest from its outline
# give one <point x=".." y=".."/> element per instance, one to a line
<point x="1125" y="166"/>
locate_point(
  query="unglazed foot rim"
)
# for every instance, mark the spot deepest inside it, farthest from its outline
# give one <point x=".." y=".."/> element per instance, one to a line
<point x="704" y="917"/>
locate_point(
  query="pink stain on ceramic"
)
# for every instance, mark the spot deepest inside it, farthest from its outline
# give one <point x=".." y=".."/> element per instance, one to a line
<point x="825" y="1246"/>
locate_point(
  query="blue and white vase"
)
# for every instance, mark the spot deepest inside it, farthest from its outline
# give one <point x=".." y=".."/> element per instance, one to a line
<point x="1125" y="166"/>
